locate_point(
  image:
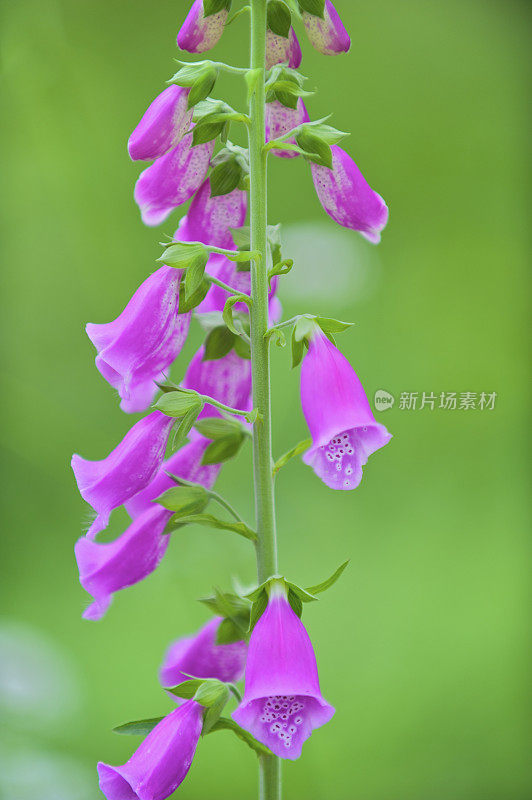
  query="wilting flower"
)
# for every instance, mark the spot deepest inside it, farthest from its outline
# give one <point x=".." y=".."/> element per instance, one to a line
<point x="282" y="701"/>
<point x="327" y="35"/>
<point x="199" y="33"/>
<point x="105" y="568"/>
<point x="280" y="49"/>
<point x="162" y="761"/>
<point x="209" y="219"/>
<point x="163" y="125"/>
<point x="172" y="179"/>
<point x="226" y="379"/>
<point x="348" y="198"/>
<point x="280" y="119"/>
<point x="107" y="484"/>
<point x="199" y="655"/>
<point x="343" y="428"/>
<point x="144" y="340"/>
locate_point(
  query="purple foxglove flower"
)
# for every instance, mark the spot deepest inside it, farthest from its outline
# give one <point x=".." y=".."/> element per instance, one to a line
<point x="162" y="761"/>
<point x="282" y="702"/>
<point x="226" y="379"/>
<point x="343" y="428"/>
<point x="105" y="568"/>
<point x="280" y="49"/>
<point x="134" y="349"/>
<point x="127" y="469"/>
<point x="199" y="655"/>
<point x="185" y="463"/>
<point x="347" y="197"/>
<point x="327" y="35"/>
<point x="163" y="125"/>
<point x="281" y="119"/>
<point x="199" y="33"/>
<point x="209" y="219"/>
<point x="172" y="179"/>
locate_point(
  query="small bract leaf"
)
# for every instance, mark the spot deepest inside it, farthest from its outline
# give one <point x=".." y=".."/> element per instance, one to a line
<point x="194" y="275"/>
<point x="188" y="302"/>
<point x="218" y="343"/>
<point x="279" y="18"/>
<point x="187" y="689"/>
<point x="177" y="403"/>
<point x="315" y="7"/>
<point x="225" y="177"/>
<point x="299" y="448"/>
<point x="322" y="587"/>
<point x="226" y="724"/>
<point x="140" y="727"/>
<point x="210" y="521"/>
<point x="181" y="254"/>
<point x="217" y="427"/>
<point x="184" y="500"/>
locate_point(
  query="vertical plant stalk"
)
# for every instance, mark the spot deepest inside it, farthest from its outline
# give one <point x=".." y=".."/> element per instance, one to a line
<point x="270" y="766"/>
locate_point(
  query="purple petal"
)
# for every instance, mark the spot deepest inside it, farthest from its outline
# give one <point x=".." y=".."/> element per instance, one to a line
<point x="172" y="179"/>
<point x="347" y="197"/>
<point x="105" y="568"/>
<point x="107" y="484"/>
<point x="163" y="125"/>
<point x="134" y="349"/>
<point x="281" y="119"/>
<point x="327" y="35"/>
<point x="200" y="656"/>
<point x="280" y="49"/>
<point x="343" y="429"/>
<point x="162" y="761"/>
<point x="199" y="33"/>
<point x="209" y="218"/>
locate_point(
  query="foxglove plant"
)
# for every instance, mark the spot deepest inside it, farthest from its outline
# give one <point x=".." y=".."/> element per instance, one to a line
<point x="226" y="275"/>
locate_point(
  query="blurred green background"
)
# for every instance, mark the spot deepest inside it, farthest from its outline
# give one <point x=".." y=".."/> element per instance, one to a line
<point x="423" y="646"/>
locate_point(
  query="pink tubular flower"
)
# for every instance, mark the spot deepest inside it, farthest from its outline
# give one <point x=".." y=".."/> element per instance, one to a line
<point x="344" y="431"/>
<point x="281" y="119"/>
<point x="172" y="179"/>
<point x="347" y="197"/>
<point x="282" y="701"/>
<point x="162" y="761"/>
<point x="226" y="379"/>
<point x="135" y="348"/>
<point x="199" y="655"/>
<point x="209" y="219"/>
<point x="280" y="49"/>
<point x="127" y="469"/>
<point x="163" y="125"/>
<point x="327" y="35"/>
<point x="199" y="33"/>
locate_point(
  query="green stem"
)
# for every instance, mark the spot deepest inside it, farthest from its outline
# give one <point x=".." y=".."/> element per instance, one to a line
<point x="266" y="546"/>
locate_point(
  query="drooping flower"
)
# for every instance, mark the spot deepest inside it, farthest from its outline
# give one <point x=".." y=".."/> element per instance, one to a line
<point x="172" y="179"/>
<point x="281" y="48"/>
<point x="199" y="655"/>
<point x="135" y="348"/>
<point x="327" y="35"/>
<point x="107" y="484"/>
<point x="163" y="125"/>
<point x="347" y="197"/>
<point x="226" y="379"/>
<point x="343" y="429"/>
<point x="280" y="119"/>
<point x="105" y="568"/>
<point x="209" y="219"/>
<point x="199" y="33"/>
<point x="162" y="761"/>
<point x="282" y="702"/>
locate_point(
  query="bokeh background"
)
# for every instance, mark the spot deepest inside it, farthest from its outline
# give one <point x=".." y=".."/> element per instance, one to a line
<point x="424" y="644"/>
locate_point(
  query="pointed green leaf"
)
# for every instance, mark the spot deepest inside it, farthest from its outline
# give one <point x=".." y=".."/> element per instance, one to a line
<point x="295" y="603"/>
<point x="299" y="448"/>
<point x="329" y="325"/>
<point x="315" y="7"/>
<point x="221" y="450"/>
<point x="188" y="302"/>
<point x="181" y="254"/>
<point x="178" y="403"/>
<point x="140" y="727"/>
<point x="184" y="500"/>
<point x="217" y="427"/>
<point x="214" y="6"/>
<point x="279" y="18"/>
<point x="242" y="348"/>
<point x="225" y="177"/>
<point x="226" y="724"/>
<point x="186" y="689"/>
<point x="228" y="632"/>
<point x="210" y="521"/>
<point x="194" y="275"/>
<point x="321" y="587"/>
<point x="218" y="343"/>
<point x="282" y="268"/>
<point x="185" y="426"/>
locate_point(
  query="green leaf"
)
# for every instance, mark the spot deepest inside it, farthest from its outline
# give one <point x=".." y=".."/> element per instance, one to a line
<point x="304" y="595"/>
<point x="327" y="133"/>
<point x="242" y="348"/>
<point x="210" y="521"/>
<point x="226" y="604"/>
<point x="208" y="129"/>
<point x="219" y="342"/>
<point x="282" y="268"/>
<point x="199" y="78"/>
<point x="184" y="500"/>
<point x="322" y="587"/>
<point x="202" y="87"/>
<point x="221" y="450"/>
<point x="226" y="724"/>
<point x="185" y="426"/>
<point x="181" y="254"/>
<point x="316" y="148"/>
<point x="211" y="692"/>
<point x="217" y="427"/>
<point x="329" y="325"/>
<point x="258" y="608"/>
<point x="188" y="302"/>
<point x="315" y="7"/>
<point x="227" y="313"/>
<point x="279" y="18"/>
<point x="298" y="348"/>
<point x="178" y="403"/>
<point x="295" y="603"/>
<point x="299" y="448"/>
<point x="186" y="689"/>
<point x="225" y="177"/>
<point x="228" y="632"/>
<point x="140" y="727"/>
<point x="214" y="6"/>
<point x="194" y="275"/>
<point x="213" y="714"/>
<point x="304" y="327"/>
<point x="277" y="337"/>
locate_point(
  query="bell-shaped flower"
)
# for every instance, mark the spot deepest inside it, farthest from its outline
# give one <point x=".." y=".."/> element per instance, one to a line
<point x="327" y="35"/>
<point x="163" y="125"/>
<point x="348" y="198"/>
<point x="226" y="379"/>
<point x="209" y="219"/>
<point x="184" y="463"/>
<point x="199" y="33"/>
<point x="162" y="761"/>
<point x="107" y="484"/>
<point x="343" y="429"/>
<point x="107" y="567"/>
<point x="172" y="179"/>
<point x="136" y="347"/>
<point x="281" y="48"/>
<point x="282" y="702"/>
<point x="199" y="655"/>
<point x="280" y="119"/>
